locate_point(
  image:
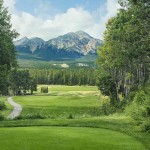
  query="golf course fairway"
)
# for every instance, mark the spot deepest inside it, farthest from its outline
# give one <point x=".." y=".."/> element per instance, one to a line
<point x="65" y="138"/>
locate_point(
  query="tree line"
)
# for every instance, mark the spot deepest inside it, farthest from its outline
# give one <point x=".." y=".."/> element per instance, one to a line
<point x="64" y="76"/>
<point x="23" y="81"/>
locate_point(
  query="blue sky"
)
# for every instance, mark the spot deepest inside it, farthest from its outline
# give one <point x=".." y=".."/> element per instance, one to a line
<point x="58" y="5"/>
<point x="50" y="18"/>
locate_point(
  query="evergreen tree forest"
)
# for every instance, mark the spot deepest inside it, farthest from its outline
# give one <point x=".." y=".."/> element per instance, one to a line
<point x="64" y="76"/>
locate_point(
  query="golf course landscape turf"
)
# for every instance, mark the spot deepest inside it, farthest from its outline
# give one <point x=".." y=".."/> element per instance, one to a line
<point x="65" y="138"/>
<point x="59" y="106"/>
<point x="68" y="118"/>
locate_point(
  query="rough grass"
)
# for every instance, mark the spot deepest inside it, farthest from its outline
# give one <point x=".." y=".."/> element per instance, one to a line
<point x="62" y="138"/>
<point x="59" y="106"/>
<point x="70" y="89"/>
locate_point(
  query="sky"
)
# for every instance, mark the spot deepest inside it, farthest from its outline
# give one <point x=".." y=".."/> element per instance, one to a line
<point x="48" y="19"/>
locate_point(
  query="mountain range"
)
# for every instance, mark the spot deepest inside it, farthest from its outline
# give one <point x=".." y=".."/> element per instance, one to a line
<point x="69" y="46"/>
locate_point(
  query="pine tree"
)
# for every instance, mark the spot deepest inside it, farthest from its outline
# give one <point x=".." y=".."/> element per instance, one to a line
<point x="7" y="49"/>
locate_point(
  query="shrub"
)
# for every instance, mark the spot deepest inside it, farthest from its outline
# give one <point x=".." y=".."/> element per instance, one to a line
<point x="70" y="116"/>
<point x="145" y="127"/>
<point x="96" y="112"/>
<point x="18" y="117"/>
<point x="1" y="117"/>
<point x="130" y="96"/>
<point x="35" y="115"/>
<point x="139" y="109"/>
<point x="140" y="97"/>
<point x="105" y="108"/>
<point x="44" y="89"/>
<point x="2" y="105"/>
<point x="140" y="106"/>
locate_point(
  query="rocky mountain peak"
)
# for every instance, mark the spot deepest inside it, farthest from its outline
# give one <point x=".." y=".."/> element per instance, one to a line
<point x="83" y="34"/>
<point x="36" y="39"/>
<point x="22" y="41"/>
<point x="72" y="44"/>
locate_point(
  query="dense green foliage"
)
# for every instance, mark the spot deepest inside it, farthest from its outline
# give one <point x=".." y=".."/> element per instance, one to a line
<point x="124" y="61"/>
<point x="5" y="108"/>
<point x="22" y="82"/>
<point x="64" y="76"/>
<point x="2" y="105"/>
<point x="7" y="49"/>
<point x="10" y="78"/>
<point x="139" y="108"/>
<point x="1" y="117"/>
<point x="124" y="57"/>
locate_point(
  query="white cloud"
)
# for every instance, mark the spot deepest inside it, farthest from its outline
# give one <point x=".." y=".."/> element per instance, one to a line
<point x="72" y="20"/>
<point x="46" y="9"/>
<point x="112" y="7"/>
<point x="10" y="4"/>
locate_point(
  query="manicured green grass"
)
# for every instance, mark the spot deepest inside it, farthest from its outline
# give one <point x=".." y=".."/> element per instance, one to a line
<point x="60" y="106"/>
<point x="121" y="123"/>
<point x="62" y="138"/>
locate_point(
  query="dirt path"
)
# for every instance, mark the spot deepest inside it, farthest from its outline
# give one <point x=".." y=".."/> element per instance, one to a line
<point x="17" y="108"/>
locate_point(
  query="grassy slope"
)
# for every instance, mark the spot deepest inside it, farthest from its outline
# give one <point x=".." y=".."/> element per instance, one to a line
<point x="30" y="61"/>
<point x="65" y="138"/>
<point x="119" y="123"/>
